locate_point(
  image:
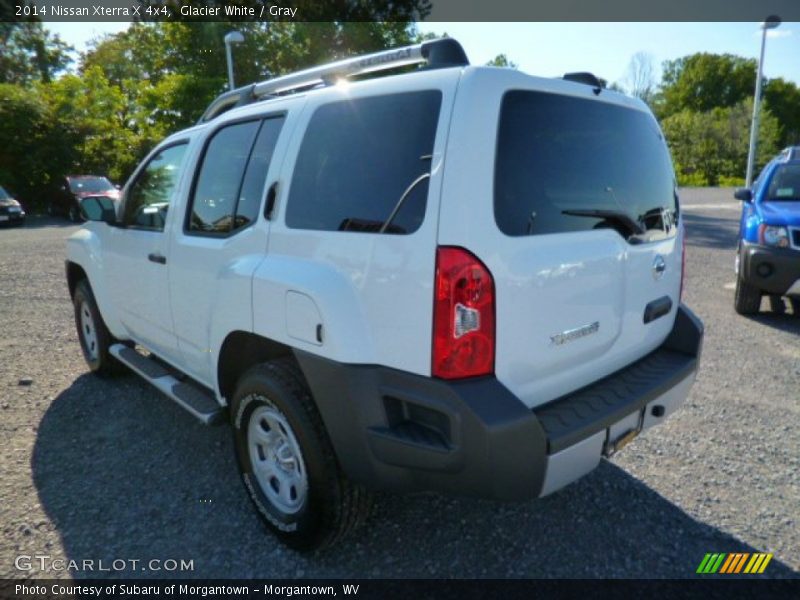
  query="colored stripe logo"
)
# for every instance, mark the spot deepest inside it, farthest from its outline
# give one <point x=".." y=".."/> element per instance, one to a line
<point x="734" y="563"/>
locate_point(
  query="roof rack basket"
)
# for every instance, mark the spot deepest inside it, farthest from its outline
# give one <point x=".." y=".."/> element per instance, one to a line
<point x="443" y="52"/>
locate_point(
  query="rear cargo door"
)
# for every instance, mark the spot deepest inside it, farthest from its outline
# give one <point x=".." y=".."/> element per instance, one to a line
<point x="568" y="197"/>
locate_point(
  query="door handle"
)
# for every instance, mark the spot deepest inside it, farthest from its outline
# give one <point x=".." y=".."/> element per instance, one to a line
<point x="157" y="258"/>
<point x="270" y="204"/>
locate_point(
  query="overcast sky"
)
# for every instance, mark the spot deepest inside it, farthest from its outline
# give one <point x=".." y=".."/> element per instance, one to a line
<point x="551" y="49"/>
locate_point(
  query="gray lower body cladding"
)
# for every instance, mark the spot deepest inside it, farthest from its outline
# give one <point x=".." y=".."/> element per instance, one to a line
<point x="772" y="270"/>
<point x="399" y="431"/>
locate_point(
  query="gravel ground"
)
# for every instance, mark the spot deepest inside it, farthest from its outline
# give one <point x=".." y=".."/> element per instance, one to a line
<point x="103" y="470"/>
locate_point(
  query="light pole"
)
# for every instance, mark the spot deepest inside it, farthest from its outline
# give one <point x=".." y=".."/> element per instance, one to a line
<point x="234" y="37"/>
<point x="771" y="23"/>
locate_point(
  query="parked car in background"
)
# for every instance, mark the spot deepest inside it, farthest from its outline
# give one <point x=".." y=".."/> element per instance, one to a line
<point x="768" y="257"/>
<point x="11" y="210"/>
<point x="76" y="187"/>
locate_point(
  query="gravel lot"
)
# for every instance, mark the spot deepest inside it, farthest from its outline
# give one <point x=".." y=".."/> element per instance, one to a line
<point x="93" y="469"/>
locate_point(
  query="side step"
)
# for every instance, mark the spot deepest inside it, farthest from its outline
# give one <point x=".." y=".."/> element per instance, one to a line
<point x="194" y="398"/>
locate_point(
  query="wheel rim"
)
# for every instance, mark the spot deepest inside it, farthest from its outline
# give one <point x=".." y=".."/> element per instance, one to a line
<point x="88" y="331"/>
<point x="277" y="460"/>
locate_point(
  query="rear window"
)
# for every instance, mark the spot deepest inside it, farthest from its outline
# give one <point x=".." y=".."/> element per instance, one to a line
<point x="359" y="158"/>
<point x="569" y="164"/>
<point x="785" y="183"/>
<point x="90" y="184"/>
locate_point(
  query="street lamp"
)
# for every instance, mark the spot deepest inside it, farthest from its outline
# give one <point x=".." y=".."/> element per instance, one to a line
<point x="234" y="37"/>
<point x="771" y="23"/>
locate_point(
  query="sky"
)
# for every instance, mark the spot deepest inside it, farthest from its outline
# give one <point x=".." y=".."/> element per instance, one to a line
<point x="605" y="49"/>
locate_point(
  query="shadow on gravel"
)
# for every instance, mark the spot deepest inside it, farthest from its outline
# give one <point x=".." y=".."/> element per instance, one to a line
<point x="787" y="321"/>
<point x="713" y="232"/>
<point x="124" y="474"/>
<point x="40" y="222"/>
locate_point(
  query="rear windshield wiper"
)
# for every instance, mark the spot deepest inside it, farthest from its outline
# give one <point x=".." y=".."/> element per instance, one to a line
<point x="613" y="216"/>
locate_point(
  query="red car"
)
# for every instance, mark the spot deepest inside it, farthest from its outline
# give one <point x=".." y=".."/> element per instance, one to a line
<point x="74" y="187"/>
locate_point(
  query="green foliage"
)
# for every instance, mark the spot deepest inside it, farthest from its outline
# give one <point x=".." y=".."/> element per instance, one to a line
<point x="702" y="82"/>
<point x="32" y="145"/>
<point x="501" y="60"/>
<point x="30" y="53"/>
<point x="709" y="148"/>
<point x="782" y="98"/>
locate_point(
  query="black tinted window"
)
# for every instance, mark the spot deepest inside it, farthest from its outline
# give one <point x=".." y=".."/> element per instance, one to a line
<point x="217" y="186"/>
<point x="572" y="164"/>
<point x="256" y="173"/>
<point x="357" y="159"/>
<point x="149" y="196"/>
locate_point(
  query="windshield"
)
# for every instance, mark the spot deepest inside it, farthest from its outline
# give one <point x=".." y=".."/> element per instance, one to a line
<point x="785" y="183"/>
<point x="568" y="164"/>
<point x="4" y="195"/>
<point x="90" y="184"/>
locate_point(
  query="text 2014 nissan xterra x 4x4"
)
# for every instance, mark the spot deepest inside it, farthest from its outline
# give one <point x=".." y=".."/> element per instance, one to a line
<point x="458" y="279"/>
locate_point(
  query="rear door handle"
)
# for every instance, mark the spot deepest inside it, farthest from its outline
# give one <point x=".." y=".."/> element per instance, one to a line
<point x="157" y="258"/>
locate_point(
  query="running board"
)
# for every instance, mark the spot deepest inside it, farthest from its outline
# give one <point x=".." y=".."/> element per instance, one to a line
<point x="196" y="400"/>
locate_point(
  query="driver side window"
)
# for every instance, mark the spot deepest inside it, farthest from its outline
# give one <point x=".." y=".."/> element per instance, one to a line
<point x="149" y="196"/>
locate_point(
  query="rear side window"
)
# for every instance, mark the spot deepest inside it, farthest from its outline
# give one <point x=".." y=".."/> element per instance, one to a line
<point x="568" y="164"/>
<point x="359" y="158"/>
<point x="231" y="180"/>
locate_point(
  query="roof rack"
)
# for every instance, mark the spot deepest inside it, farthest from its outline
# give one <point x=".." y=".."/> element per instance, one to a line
<point x="790" y="153"/>
<point x="443" y="52"/>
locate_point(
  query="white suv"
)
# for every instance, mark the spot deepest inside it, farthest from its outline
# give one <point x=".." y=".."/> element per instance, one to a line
<point x="463" y="279"/>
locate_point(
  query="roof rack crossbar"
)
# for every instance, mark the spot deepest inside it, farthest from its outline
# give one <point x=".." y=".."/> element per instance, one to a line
<point x="443" y="52"/>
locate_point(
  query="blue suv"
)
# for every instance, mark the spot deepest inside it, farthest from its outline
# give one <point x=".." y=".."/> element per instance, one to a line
<point x="768" y="258"/>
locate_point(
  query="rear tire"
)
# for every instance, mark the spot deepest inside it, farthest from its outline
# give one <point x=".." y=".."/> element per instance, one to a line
<point x="287" y="462"/>
<point x="795" y="303"/>
<point x="93" y="334"/>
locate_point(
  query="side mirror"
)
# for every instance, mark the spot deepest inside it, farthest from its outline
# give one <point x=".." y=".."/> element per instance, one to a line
<point x="743" y="194"/>
<point x="99" y="208"/>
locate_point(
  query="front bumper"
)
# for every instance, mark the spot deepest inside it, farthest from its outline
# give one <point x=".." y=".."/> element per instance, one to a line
<point x="772" y="270"/>
<point x="403" y="432"/>
<point x="7" y="216"/>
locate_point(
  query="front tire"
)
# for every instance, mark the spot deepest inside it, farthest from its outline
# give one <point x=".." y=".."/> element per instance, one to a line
<point x="93" y="334"/>
<point x="747" y="297"/>
<point x="287" y="462"/>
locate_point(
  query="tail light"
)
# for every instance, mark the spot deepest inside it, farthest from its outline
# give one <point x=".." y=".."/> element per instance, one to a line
<point x="463" y="316"/>
<point x="683" y="262"/>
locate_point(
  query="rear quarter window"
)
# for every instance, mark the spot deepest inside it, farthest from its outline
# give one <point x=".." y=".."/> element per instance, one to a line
<point x="357" y="159"/>
<point x="559" y="153"/>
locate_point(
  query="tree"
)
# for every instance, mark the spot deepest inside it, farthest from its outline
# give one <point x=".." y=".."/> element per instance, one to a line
<point x="186" y="61"/>
<point x="640" y="80"/>
<point x="31" y="53"/>
<point x="711" y="148"/>
<point x="782" y="99"/>
<point x="702" y="81"/>
<point x="94" y="116"/>
<point x="501" y="60"/>
<point x="33" y="147"/>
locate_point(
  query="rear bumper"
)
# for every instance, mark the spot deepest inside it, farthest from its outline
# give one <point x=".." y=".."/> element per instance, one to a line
<point x="772" y="270"/>
<point x="398" y="431"/>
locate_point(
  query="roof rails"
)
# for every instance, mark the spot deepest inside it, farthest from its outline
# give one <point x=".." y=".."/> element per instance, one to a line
<point x="790" y="153"/>
<point x="444" y="52"/>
